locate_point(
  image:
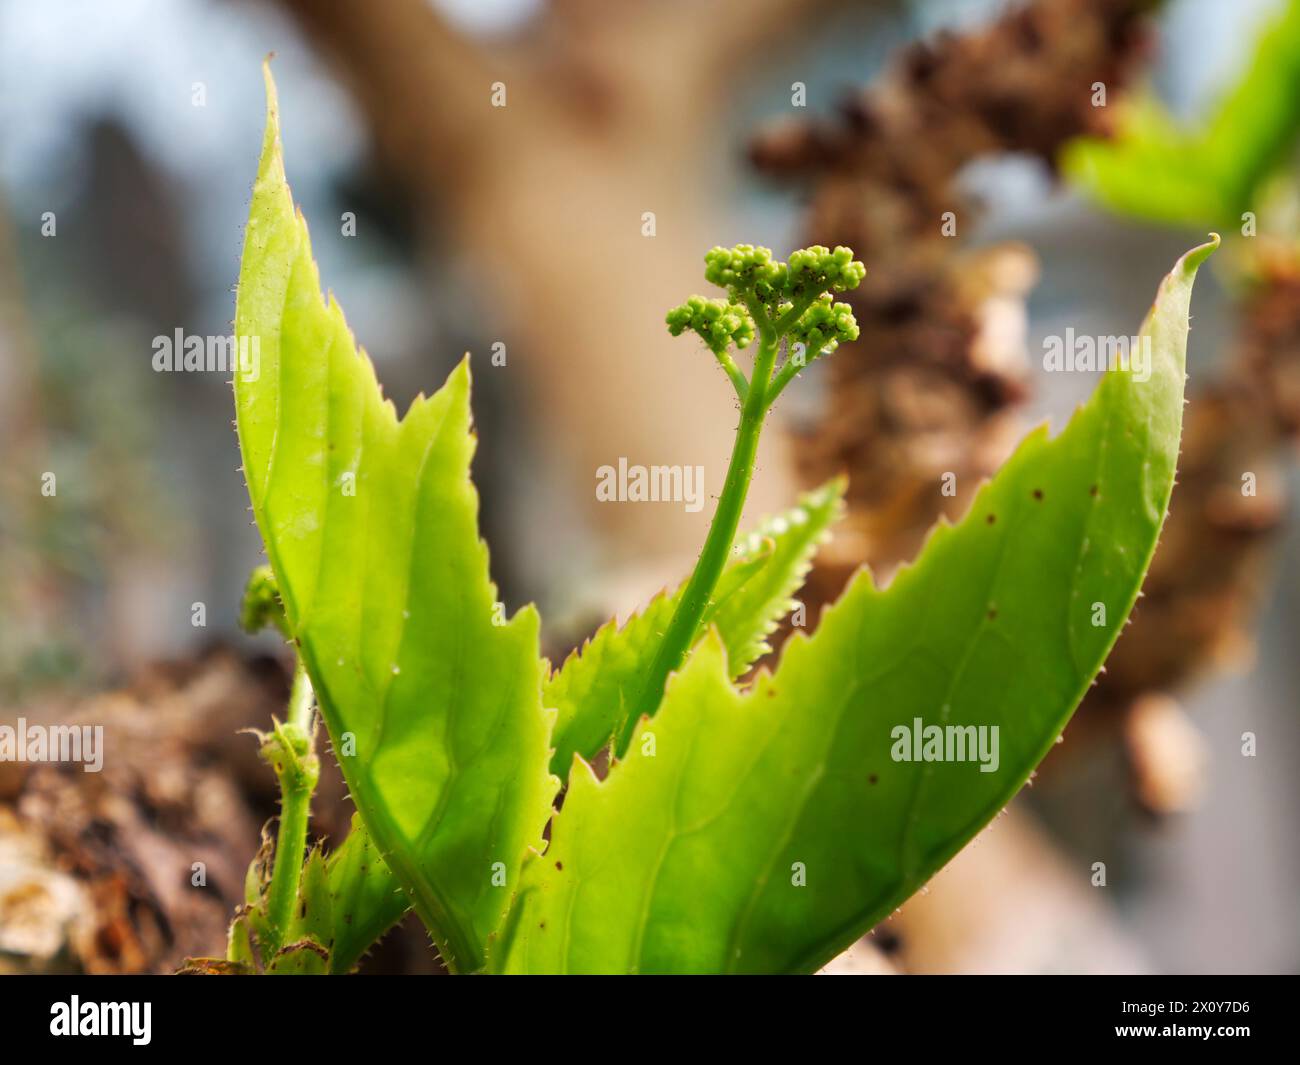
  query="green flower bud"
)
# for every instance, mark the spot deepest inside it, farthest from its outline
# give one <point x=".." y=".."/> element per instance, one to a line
<point x="261" y="604"/>
<point x="760" y="287"/>
<point x="824" y="326"/>
<point x="719" y="323"/>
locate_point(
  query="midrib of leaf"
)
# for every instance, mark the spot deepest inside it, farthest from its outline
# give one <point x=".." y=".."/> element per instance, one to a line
<point x="647" y="898"/>
<point x="1103" y="443"/>
<point x="815" y="778"/>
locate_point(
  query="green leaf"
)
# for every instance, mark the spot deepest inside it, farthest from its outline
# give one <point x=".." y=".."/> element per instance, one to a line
<point x="261" y="603"/>
<point x="239" y="944"/>
<point x="593" y="687"/>
<point x="300" y="957"/>
<point x="366" y="899"/>
<point x="370" y="525"/>
<point x="1157" y="170"/>
<point x="766" y="830"/>
<point x="346" y="903"/>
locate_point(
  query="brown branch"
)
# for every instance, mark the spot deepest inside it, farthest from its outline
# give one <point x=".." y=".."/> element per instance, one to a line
<point x="932" y="385"/>
<point x="682" y="54"/>
<point x="401" y="50"/>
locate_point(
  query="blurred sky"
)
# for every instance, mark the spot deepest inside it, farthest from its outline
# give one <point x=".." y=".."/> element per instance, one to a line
<point x="65" y="64"/>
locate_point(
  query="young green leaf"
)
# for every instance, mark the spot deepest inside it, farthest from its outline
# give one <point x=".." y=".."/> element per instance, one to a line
<point x="766" y="830"/>
<point x="345" y="904"/>
<point x="747" y="616"/>
<point x="431" y="697"/>
<point x="592" y="689"/>
<point x="1157" y="170"/>
<point x="366" y="900"/>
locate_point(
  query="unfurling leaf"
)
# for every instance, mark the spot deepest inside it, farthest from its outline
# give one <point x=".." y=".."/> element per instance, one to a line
<point x="592" y="689"/>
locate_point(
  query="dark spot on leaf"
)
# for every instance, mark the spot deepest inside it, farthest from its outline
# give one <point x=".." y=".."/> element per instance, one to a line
<point x="1038" y="494"/>
<point x="559" y="866"/>
<point x="1092" y="491"/>
<point x="872" y="779"/>
<point x="991" y="518"/>
<point x="993" y="612"/>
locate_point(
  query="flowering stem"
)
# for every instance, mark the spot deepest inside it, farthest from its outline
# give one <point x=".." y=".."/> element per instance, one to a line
<point x="774" y="302"/>
<point x="685" y="623"/>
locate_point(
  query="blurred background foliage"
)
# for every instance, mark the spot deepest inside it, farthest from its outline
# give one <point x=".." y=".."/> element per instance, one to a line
<point x="128" y="138"/>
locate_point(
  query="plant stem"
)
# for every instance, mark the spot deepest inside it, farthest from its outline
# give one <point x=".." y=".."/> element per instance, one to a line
<point x="297" y="772"/>
<point x="680" y="634"/>
<point x="300" y="698"/>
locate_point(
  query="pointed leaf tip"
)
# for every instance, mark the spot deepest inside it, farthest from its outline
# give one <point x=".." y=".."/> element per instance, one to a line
<point x="1193" y="259"/>
<point x="271" y="162"/>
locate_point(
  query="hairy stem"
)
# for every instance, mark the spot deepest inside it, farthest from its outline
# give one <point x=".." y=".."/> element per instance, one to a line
<point x="788" y="372"/>
<point x="300" y="698"/>
<point x="680" y="634"/>
<point x="297" y="770"/>
<point x="733" y="371"/>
